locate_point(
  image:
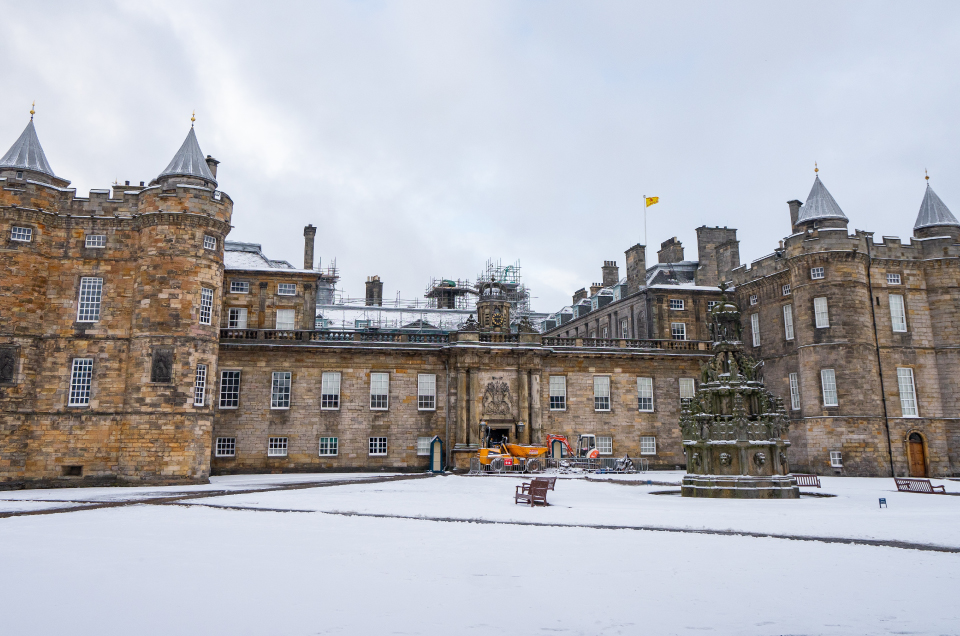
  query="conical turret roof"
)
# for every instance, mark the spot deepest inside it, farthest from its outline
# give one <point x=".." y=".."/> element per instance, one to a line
<point x="189" y="161"/>
<point x="27" y="154"/>
<point x="820" y="205"/>
<point x="933" y="212"/>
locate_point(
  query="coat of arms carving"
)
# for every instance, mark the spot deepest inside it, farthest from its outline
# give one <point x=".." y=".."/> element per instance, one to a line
<point x="496" y="398"/>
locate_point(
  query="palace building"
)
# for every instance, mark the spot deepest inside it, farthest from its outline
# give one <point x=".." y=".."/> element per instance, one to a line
<point x="138" y="345"/>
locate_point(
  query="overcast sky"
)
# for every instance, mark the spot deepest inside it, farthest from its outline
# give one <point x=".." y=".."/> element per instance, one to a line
<point x="424" y="137"/>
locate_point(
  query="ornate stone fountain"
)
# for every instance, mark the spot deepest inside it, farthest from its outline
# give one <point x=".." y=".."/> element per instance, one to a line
<point x="733" y="427"/>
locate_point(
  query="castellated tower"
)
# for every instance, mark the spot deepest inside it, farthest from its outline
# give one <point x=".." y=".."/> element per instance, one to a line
<point x="109" y="322"/>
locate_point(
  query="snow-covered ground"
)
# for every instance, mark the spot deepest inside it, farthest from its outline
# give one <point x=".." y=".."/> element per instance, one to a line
<point x="200" y="569"/>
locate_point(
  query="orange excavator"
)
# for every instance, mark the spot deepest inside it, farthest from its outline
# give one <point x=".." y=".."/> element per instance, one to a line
<point x="586" y="445"/>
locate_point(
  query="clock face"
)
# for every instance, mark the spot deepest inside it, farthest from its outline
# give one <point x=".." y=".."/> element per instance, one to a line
<point x="497" y="318"/>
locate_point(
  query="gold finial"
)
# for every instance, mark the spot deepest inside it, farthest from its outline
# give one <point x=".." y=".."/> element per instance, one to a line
<point x="193" y="118"/>
<point x="32" y="111"/>
<point x="815" y="168"/>
<point x="925" y="175"/>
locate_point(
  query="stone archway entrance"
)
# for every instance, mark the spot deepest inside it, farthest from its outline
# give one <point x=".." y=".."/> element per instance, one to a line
<point x="915" y="455"/>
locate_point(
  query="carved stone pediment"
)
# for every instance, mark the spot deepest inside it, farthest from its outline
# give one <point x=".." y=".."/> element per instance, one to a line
<point x="496" y="398"/>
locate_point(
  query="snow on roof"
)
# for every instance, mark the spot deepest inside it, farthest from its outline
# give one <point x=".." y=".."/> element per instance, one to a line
<point x="26" y="153"/>
<point x="249" y="257"/>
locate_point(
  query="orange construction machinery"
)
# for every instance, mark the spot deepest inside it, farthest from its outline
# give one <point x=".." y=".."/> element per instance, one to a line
<point x="586" y="445"/>
<point x="503" y="455"/>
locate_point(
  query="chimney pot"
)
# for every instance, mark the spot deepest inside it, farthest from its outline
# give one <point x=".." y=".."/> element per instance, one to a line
<point x="309" y="235"/>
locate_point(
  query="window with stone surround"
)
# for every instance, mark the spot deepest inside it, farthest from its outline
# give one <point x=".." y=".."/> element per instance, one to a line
<point x="23" y="234"/>
<point x="645" y="395"/>
<point x="605" y="445"/>
<point x="239" y="287"/>
<point x="755" y="329"/>
<point x="836" y="459"/>
<point x="898" y="313"/>
<point x="378" y="446"/>
<point x="88" y="306"/>
<point x="678" y="330"/>
<point x="237" y="318"/>
<point x="908" y="393"/>
<point x="229" y="388"/>
<point x="754" y="299"/>
<point x="426" y="392"/>
<point x="95" y="240"/>
<point x="280" y="390"/>
<point x="711" y="304"/>
<point x="788" y="322"/>
<point x="330" y="391"/>
<point x="624" y="329"/>
<point x="200" y="385"/>
<point x="329" y="446"/>
<point x="821" y="313"/>
<point x="785" y="290"/>
<point x="794" y="392"/>
<point x="601" y="393"/>
<point x="277" y="447"/>
<point x="648" y="445"/>
<point x="828" y="382"/>
<point x="603" y="332"/>
<point x="379" y="391"/>
<point x="226" y="446"/>
<point x="206" y="305"/>
<point x="286" y="319"/>
<point x="687" y="388"/>
<point x="676" y="303"/>
<point x="423" y="445"/>
<point x="209" y="242"/>
<point x="286" y="289"/>
<point x="558" y="393"/>
<point x="81" y="382"/>
<point x="893" y="279"/>
<point x="816" y="273"/>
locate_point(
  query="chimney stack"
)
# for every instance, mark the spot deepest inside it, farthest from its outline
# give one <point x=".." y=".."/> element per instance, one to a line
<point x="794" y="214"/>
<point x="671" y="251"/>
<point x="595" y="288"/>
<point x="309" y="234"/>
<point x="611" y="273"/>
<point x="212" y="164"/>
<point x="579" y="295"/>
<point x="374" y="292"/>
<point x="636" y="268"/>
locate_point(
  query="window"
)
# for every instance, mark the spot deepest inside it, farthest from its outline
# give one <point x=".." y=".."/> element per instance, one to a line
<point x="785" y="290"/>
<point x="95" y="240"/>
<point x="836" y="459"/>
<point x="605" y="445"/>
<point x="81" y="379"/>
<point x="676" y="303"/>
<point x="426" y="392"/>
<point x="624" y="329"/>
<point x="379" y="391"/>
<point x="755" y="329"/>
<point x="711" y="304"/>
<point x="226" y="446"/>
<point x="908" y="394"/>
<point x="601" y="392"/>
<point x="280" y="391"/>
<point x="558" y="393"/>
<point x="687" y="388"/>
<point x="788" y="322"/>
<point x="239" y="287"/>
<point x="237" y="318"/>
<point x="287" y="289"/>
<point x="330" y="391"/>
<point x="200" y="386"/>
<point x="593" y="334"/>
<point x="816" y="273"/>
<point x="821" y="313"/>
<point x="378" y="445"/>
<point x="893" y="279"/>
<point x="286" y="318"/>
<point x="206" y="305"/>
<point x="898" y="313"/>
<point x="24" y="234"/>
<point x="277" y="447"/>
<point x="209" y="242"/>
<point x="648" y="445"/>
<point x="229" y="389"/>
<point x="794" y="392"/>
<point x="603" y="333"/>
<point x="645" y="394"/>
<point x="91" y="290"/>
<point x="328" y="446"/>
<point x="678" y="331"/>
<point x="19" y="174"/>
<point x="423" y="445"/>
<point x="828" y="382"/>
<point x="753" y="299"/>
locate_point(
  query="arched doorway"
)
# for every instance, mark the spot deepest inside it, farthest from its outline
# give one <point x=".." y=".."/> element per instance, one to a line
<point x="915" y="455"/>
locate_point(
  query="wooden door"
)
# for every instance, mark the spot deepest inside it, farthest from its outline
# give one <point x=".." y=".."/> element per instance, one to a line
<point x="918" y="467"/>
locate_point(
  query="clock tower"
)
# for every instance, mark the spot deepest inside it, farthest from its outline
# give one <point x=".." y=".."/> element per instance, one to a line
<point x="493" y="308"/>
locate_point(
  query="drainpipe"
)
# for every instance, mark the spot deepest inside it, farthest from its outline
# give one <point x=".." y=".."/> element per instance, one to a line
<point x="876" y="340"/>
<point x="446" y="413"/>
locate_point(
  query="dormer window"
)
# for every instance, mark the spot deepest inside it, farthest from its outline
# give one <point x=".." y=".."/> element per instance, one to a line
<point x="19" y="174"/>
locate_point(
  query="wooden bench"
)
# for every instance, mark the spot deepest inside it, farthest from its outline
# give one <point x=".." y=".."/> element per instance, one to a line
<point x="905" y="484"/>
<point x="551" y="481"/>
<point x="806" y="480"/>
<point x="533" y="493"/>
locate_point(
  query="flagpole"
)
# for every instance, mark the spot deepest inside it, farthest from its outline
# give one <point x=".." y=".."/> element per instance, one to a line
<point x="644" y="220"/>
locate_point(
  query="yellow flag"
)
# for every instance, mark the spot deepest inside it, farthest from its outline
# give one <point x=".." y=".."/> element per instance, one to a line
<point x="652" y="200"/>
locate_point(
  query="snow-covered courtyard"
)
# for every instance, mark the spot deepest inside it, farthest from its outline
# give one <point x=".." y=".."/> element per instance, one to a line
<point x="358" y="554"/>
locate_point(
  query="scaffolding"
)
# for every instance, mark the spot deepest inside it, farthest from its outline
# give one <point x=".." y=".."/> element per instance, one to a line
<point x="446" y="293"/>
<point x="509" y="278"/>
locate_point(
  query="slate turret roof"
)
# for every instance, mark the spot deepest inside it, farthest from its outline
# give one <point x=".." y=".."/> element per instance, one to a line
<point x="933" y="212"/>
<point x="820" y="205"/>
<point x="189" y="161"/>
<point x="27" y="154"/>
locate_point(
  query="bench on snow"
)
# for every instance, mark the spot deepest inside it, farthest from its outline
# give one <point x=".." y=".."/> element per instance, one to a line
<point x="905" y="484"/>
<point x="533" y="493"/>
<point x="551" y="481"/>
<point x="806" y="480"/>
